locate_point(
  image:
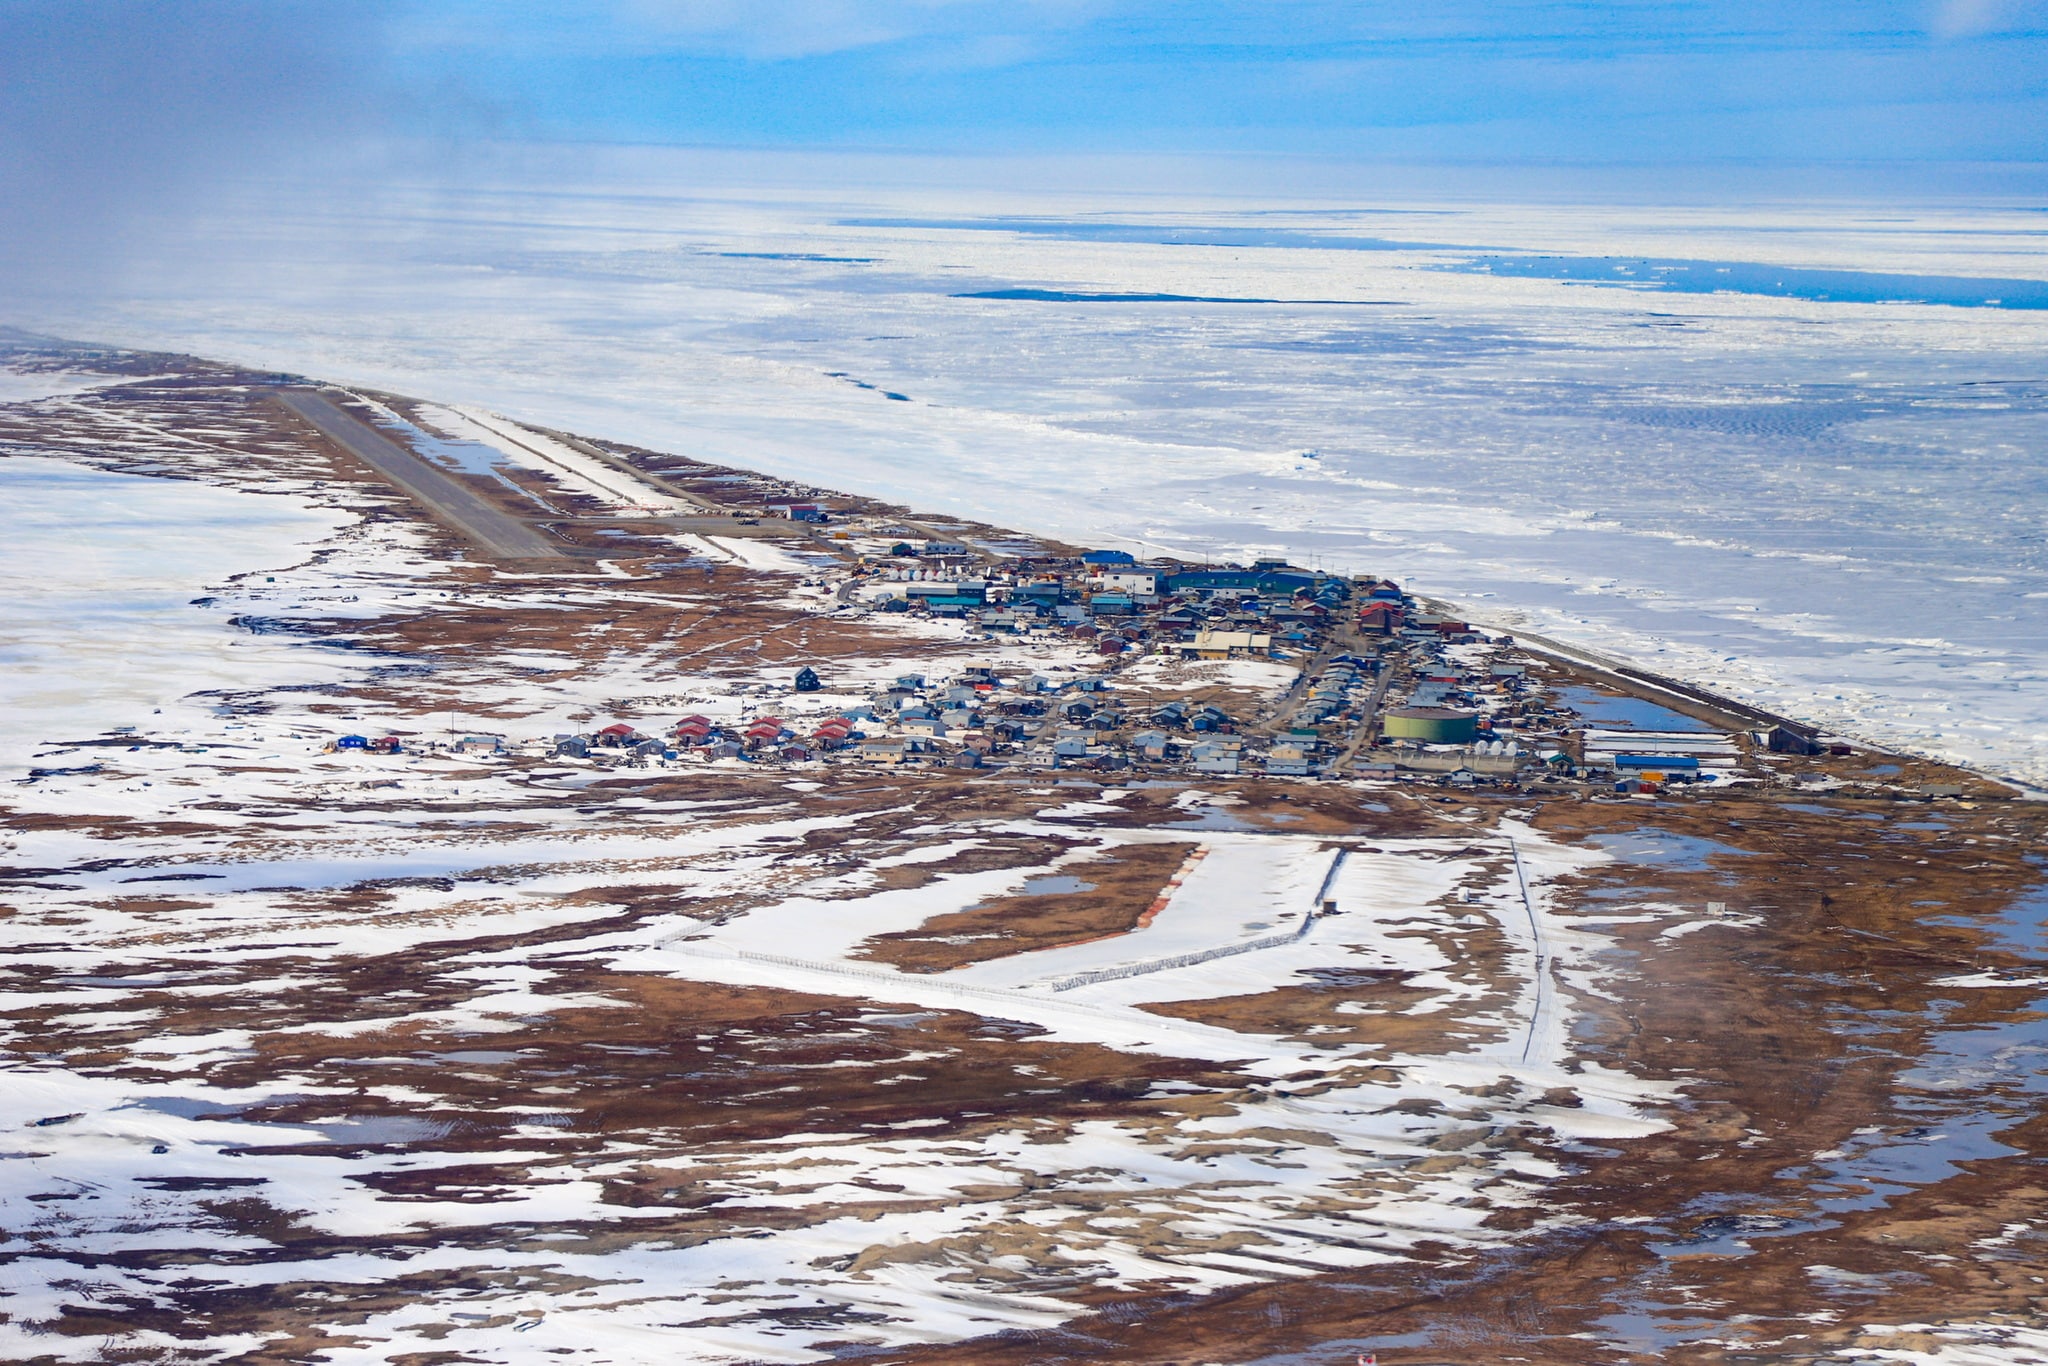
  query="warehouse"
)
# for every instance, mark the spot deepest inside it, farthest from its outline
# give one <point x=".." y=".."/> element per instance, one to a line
<point x="1431" y="725"/>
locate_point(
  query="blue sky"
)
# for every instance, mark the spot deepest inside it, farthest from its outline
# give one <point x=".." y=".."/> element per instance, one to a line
<point x="117" y="116"/>
<point x="1646" y="81"/>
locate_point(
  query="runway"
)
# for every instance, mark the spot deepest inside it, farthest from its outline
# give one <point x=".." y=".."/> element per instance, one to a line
<point x="497" y="533"/>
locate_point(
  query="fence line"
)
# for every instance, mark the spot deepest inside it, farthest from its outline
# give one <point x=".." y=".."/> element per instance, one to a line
<point x="1329" y="879"/>
<point x="922" y="981"/>
<point x="1536" y="947"/>
<point x="899" y="982"/>
<point x="1188" y="960"/>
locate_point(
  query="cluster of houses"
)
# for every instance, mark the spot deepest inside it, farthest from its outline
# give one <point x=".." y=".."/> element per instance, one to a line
<point x="765" y="738"/>
<point x="1010" y="716"/>
<point x="1107" y="597"/>
<point x="1417" y="695"/>
<point x="363" y="744"/>
<point x="983" y="714"/>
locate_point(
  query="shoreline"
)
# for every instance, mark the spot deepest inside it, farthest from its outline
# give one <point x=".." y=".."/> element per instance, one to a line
<point x="1983" y="768"/>
<point x="1596" y="666"/>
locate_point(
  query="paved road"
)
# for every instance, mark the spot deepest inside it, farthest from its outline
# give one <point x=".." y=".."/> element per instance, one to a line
<point x="1372" y="711"/>
<point x="721" y="526"/>
<point x="493" y="531"/>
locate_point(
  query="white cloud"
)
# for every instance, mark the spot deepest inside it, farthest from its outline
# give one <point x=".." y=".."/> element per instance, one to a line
<point x="1969" y="18"/>
<point x="778" y="29"/>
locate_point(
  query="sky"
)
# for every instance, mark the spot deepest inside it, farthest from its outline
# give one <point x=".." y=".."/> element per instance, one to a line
<point x="120" y="116"/>
<point x="1628" y="80"/>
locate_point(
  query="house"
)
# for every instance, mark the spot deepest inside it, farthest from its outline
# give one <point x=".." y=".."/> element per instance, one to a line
<point x="1212" y="644"/>
<point x="924" y="725"/>
<point x="966" y="758"/>
<point x="1289" y="755"/>
<point x="1212" y="757"/>
<point x="963" y="593"/>
<point x="1787" y="740"/>
<point x="1152" y="744"/>
<point x="1071" y="747"/>
<point x="353" y="742"/>
<point x="896" y="699"/>
<point x="480" y="745"/>
<point x="807" y="680"/>
<point x="1138" y="582"/>
<point x="615" y="736"/>
<point x="883" y="751"/>
<point x="389" y="744"/>
<point x="572" y="747"/>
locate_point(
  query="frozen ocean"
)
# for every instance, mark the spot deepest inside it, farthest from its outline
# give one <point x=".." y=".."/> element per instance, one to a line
<point x="1797" y="453"/>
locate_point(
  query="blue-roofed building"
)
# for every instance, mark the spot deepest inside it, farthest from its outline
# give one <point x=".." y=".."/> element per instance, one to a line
<point x="1108" y="557"/>
<point x="1657" y="763"/>
<point x="1285" y="582"/>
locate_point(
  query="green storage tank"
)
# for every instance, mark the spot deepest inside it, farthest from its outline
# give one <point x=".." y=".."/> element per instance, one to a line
<point x="1431" y="725"/>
